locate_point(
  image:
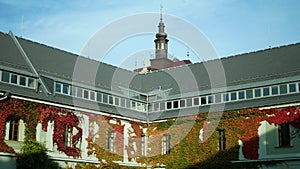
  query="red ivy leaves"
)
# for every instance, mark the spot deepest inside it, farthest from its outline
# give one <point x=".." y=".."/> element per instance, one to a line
<point x="286" y="115"/>
<point x="62" y="118"/>
<point x="11" y="107"/>
<point x="250" y="126"/>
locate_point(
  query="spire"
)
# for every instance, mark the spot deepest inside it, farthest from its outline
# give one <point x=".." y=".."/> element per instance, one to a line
<point x="161" y="41"/>
<point x="161" y="24"/>
<point x="161" y="7"/>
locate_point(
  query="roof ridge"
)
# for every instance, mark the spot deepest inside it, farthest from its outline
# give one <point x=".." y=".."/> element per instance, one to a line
<point x="62" y="50"/>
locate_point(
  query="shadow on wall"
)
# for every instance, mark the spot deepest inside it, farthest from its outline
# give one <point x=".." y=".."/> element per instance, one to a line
<point x="224" y="159"/>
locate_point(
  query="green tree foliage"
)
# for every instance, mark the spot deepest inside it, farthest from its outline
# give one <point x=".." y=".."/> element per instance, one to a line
<point x="34" y="155"/>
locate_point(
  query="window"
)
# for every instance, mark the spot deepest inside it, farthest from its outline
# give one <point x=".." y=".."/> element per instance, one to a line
<point x="225" y="97"/>
<point x="105" y="98"/>
<point x="222" y="139"/>
<point x="139" y="106"/>
<point x="72" y="91"/>
<point x="31" y="82"/>
<point x="86" y="94"/>
<point x="166" y="144"/>
<point x="266" y="91"/>
<point x="156" y="106"/>
<point x="14" y="129"/>
<point x="283" y="89"/>
<point x="274" y="90"/>
<point x="99" y="97"/>
<point x="92" y="95"/>
<point x="111" y="100"/>
<point x="257" y="92"/>
<point x="68" y="136"/>
<point x="122" y="102"/>
<point x="210" y="99"/>
<point x="117" y="101"/>
<point x="196" y="101"/>
<point x="241" y="95"/>
<point x="169" y="105"/>
<point x="175" y="104"/>
<point x="218" y="98"/>
<point x="22" y="81"/>
<point x="292" y="87"/>
<point x="233" y="96"/>
<point x="5" y="77"/>
<point x="111" y="141"/>
<point x="162" y="106"/>
<point x="65" y="89"/>
<point x="14" y="79"/>
<point x="284" y="137"/>
<point x="17" y="79"/>
<point x="189" y="102"/>
<point x="182" y="103"/>
<point x="203" y="100"/>
<point x="58" y="87"/>
<point x="127" y="103"/>
<point x="143" y="145"/>
<point x="133" y="105"/>
<point x="249" y="94"/>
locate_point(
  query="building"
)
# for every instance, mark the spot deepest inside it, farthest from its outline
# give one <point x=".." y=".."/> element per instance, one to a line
<point x="90" y="113"/>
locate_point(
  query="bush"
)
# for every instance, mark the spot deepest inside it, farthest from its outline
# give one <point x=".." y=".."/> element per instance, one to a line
<point x="34" y="155"/>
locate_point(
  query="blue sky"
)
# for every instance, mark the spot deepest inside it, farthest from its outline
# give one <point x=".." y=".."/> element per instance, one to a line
<point x="232" y="26"/>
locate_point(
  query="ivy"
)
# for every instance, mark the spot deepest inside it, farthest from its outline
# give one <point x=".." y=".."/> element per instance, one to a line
<point x="62" y="119"/>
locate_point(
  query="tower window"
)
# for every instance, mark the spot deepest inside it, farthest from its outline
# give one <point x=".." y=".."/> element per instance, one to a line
<point x="162" y="45"/>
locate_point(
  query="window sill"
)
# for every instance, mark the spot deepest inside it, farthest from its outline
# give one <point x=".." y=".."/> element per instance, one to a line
<point x="281" y="147"/>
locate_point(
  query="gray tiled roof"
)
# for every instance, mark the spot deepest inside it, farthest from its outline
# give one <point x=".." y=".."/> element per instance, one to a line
<point x="51" y="63"/>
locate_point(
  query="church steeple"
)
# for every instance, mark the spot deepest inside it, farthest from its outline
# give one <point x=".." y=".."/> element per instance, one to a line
<point x="161" y="60"/>
<point x="161" y="41"/>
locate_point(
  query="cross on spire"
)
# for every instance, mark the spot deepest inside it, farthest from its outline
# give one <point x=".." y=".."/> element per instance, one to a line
<point x="161" y="7"/>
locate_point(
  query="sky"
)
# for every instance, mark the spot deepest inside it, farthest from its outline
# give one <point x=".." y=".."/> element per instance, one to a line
<point x="231" y="27"/>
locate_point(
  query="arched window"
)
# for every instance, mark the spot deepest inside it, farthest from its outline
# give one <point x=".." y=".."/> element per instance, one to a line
<point x="13" y="130"/>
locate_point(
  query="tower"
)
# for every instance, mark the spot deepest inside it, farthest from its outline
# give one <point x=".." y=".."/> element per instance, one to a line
<point x="161" y="41"/>
<point x="161" y="60"/>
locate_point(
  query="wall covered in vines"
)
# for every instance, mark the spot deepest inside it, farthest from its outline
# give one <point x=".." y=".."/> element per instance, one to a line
<point x="34" y="113"/>
<point x="194" y="139"/>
